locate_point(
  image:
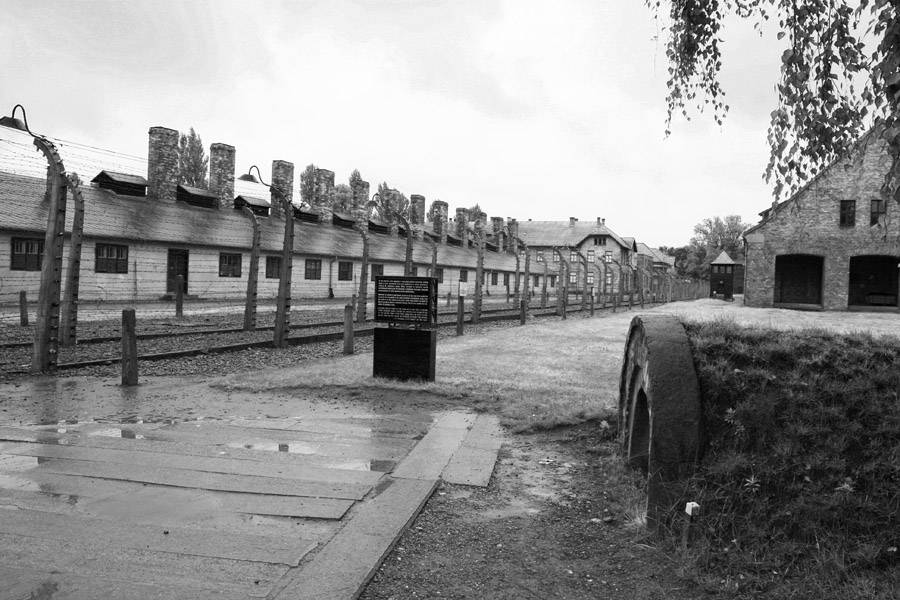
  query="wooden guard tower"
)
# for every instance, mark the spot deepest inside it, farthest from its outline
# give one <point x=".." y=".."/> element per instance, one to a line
<point x="721" y="277"/>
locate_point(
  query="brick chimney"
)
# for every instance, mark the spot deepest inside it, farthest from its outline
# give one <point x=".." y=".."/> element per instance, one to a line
<point x="513" y="227"/>
<point x="417" y="204"/>
<point x="324" y="195"/>
<point x="497" y="231"/>
<point x="162" y="164"/>
<point x="360" y="194"/>
<point x="283" y="177"/>
<point x="221" y="173"/>
<point x="439" y="209"/>
<point x="572" y="221"/>
<point x="601" y="222"/>
<point x="324" y="187"/>
<point x="462" y="224"/>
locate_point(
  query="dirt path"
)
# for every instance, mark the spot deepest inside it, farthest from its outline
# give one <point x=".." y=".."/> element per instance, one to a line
<point x="557" y="521"/>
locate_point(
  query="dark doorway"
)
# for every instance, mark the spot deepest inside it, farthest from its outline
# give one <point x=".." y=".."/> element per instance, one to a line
<point x="798" y="279"/>
<point x="177" y="265"/>
<point x="873" y="281"/>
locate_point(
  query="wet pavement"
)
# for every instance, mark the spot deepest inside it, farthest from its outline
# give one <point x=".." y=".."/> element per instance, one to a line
<point x="179" y="489"/>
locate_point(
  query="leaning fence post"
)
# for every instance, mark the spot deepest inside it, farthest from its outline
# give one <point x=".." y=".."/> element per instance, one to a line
<point x="348" y="329"/>
<point x="129" y="348"/>
<point x="23" y="309"/>
<point x="179" y="296"/>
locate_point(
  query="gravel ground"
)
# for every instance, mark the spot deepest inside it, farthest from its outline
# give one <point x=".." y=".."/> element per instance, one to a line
<point x="15" y="360"/>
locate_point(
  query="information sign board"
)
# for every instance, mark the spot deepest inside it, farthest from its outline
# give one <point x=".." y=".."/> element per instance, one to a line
<point x="406" y="299"/>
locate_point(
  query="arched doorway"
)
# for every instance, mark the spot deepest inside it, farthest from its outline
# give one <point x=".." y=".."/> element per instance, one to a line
<point x="798" y="279"/>
<point x="873" y="281"/>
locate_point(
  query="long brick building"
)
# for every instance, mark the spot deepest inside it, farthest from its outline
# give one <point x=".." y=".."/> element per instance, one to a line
<point x="834" y="245"/>
<point x="142" y="229"/>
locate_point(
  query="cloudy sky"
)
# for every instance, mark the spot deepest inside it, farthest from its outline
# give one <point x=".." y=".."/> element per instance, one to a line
<point x="540" y="110"/>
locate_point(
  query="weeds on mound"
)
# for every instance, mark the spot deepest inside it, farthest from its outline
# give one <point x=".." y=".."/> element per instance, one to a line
<point x="800" y="484"/>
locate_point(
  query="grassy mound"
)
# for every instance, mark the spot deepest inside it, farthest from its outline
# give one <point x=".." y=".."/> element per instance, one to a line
<point x="800" y="484"/>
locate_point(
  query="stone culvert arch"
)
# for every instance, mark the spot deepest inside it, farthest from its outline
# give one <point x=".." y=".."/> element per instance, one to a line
<point x="660" y="414"/>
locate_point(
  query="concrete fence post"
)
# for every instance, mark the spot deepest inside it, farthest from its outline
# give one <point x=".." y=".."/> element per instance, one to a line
<point x="23" y="309"/>
<point x="348" y="329"/>
<point x="460" y="314"/>
<point x="179" y="297"/>
<point x="129" y="348"/>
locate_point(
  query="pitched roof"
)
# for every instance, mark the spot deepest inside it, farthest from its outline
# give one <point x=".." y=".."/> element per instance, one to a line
<point x="862" y="143"/>
<point x="19" y="156"/>
<point x="121" y="178"/>
<point x="254" y="201"/>
<point x="722" y="259"/>
<point x="111" y="216"/>
<point x="564" y="233"/>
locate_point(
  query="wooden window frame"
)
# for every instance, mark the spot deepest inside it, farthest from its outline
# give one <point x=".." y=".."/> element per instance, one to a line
<point x="110" y="258"/>
<point x="312" y="269"/>
<point x="21" y="259"/>
<point x="230" y="264"/>
<point x="273" y="267"/>
<point x="847" y="213"/>
<point x="345" y="270"/>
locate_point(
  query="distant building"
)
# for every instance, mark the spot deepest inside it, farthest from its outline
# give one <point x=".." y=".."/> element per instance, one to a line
<point x="721" y="276"/>
<point x="615" y="264"/>
<point x="834" y="245"/>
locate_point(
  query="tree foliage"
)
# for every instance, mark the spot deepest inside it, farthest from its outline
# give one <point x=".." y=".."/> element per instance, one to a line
<point x="711" y="236"/>
<point x="342" y="198"/>
<point x="835" y="83"/>
<point x="717" y="234"/>
<point x="389" y="201"/>
<point x="308" y="189"/>
<point x="358" y="189"/>
<point x="193" y="163"/>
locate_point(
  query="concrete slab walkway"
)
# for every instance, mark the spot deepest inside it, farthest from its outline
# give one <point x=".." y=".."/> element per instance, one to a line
<point x="227" y="507"/>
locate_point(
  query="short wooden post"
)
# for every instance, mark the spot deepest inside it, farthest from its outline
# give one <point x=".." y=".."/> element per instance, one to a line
<point x="592" y="302"/>
<point x="129" y="348"/>
<point x="179" y="296"/>
<point x="23" y="309"/>
<point x="523" y="311"/>
<point x="348" y="329"/>
<point x="460" y="314"/>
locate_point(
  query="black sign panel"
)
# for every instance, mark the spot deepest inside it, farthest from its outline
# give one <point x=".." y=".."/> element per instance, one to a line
<point x="406" y="299"/>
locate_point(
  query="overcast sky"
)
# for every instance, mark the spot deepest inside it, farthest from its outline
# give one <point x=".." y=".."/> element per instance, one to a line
<point x="534" y="110"/>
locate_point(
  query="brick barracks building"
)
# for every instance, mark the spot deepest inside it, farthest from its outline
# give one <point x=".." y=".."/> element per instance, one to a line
<point x="834" y="245"/>
<point x="142" y="230"/>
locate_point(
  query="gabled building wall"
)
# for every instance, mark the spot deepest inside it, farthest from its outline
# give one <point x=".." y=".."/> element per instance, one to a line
<point x="809" y="224"/>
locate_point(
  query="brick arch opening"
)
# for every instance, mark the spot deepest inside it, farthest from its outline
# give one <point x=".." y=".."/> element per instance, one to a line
<point x="873" y="281"/>
<point x="639" y="432"/>
<point x="798" y="279"/>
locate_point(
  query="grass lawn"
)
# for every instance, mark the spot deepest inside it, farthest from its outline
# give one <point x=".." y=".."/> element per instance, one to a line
<point x="800" y="485"/>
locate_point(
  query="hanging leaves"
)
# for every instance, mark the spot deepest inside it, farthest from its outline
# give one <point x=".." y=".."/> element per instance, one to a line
<point x="832" y="88"/>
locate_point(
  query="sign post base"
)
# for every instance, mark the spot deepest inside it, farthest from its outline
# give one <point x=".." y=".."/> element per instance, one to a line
<point x="404" y="353"/>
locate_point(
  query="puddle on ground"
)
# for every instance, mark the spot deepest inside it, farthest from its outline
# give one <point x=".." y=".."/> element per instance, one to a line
<point x="292" y="447"/>
<point x="116" y="432"/>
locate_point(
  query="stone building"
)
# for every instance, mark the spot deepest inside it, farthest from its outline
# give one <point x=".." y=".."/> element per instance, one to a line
<point x="571" y="242"/>
<point x="834" y="245"/>
<point x="142" y="229"/>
